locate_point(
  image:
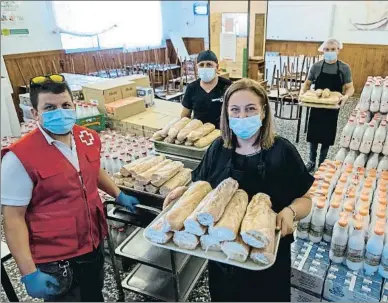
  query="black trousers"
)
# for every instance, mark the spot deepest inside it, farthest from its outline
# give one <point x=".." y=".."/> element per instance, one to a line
<point x="81" y="279"/>
<point x="322" y="155"/>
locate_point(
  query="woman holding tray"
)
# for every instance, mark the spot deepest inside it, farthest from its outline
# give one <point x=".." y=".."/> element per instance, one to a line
<point x="251" y="153"/>
<point x="335" y="75"/>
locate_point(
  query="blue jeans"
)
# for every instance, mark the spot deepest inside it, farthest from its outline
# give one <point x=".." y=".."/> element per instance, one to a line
<point x="322" y="155"/>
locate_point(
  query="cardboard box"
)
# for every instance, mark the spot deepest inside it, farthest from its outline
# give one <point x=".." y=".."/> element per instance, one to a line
<point x="122" y="109"/>
<point x="384" y="293"/>
<point x="301" y="249"/>
<point x="298" y="295"/>
<point x="344" y="285"/>
<point x="140" y="80"/>
<point x="167" y="108"/>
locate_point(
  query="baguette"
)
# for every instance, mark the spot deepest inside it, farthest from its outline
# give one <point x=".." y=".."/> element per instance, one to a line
<point x="158" y="136"/>
<point x="177" y="142"/>
<point x="189" y="143"/>
<point x="118" y="179"/>
<point x="185" y="206"/>
<point x="179" y="179"/>
<point x="236" y="250"/>
<point x="169" y="140"/>
<point x="124" y="171"/>
<point x="208" y="139"/>
<point x="149" y="188"/>
<point x="176" y="128"/>
<point x="145" y="178"/>
<point x="166" y="173"/>
<point x="218" y="199"/>
<point x="266" y="255"/>
<point x="256" y="227"/>
<point x="191" y="223"/>
<point x="129" y="182"/>
<point x="209" y="243"/>
<point x="200" y="132"/>
<point x="184" y="132"/>
<point x="185" y="240"/>
<point x="138" y="187"/>
<point x="229" y="225"/>
<point x="155" y="234"/>
<point x="146" y="165"/>
<point x="164" y="131"/>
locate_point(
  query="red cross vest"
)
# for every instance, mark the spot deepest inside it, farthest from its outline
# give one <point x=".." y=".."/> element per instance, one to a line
<point x="65" y="217"/>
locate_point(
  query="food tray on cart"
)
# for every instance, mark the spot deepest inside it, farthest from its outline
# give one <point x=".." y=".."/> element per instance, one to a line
<point x="180" y="150"/>
<point x="212" y="255"/>
<point x="317" y="105"/>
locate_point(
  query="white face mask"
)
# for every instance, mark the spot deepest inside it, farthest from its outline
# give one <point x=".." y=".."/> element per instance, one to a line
<point x="207" y="74"/>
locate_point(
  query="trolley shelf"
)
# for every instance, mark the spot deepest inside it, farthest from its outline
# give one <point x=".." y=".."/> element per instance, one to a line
<point x="137" y="248"/>
<point x="159" y="284"/>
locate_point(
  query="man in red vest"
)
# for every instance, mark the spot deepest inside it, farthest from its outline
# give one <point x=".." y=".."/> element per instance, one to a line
<point x="54" y="220"/>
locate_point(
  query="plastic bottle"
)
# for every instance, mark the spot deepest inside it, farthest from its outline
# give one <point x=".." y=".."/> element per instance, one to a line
<point x="347" y="133"/>
<point x="332" y="217"/>
<point x="383" y="267"/>
<point x="373" y="162"/>
<point x="385" y="147"/>
<point x="364" y="214"/>
<point x="376" y="97"/>
<point x="384" y="99"/>
<point x="339" y="241"/>
<point x="317" y="222"/>
<point x="302" y="231"/>
<point x="360" y="160"/>
<point x="95" y="111"/>
<point x="381" y="133"/>
<point x="374" y="250"/>
<point x="341" y="155"/>
<point x="383" y="164"/>
<point x="109" y="164"/>
<point x="377" y="218"/>
<point x="365" y="97"/>
<point x="367" y="139"/>
<point x="350" y="158"/>
<point x="356" y="246"/>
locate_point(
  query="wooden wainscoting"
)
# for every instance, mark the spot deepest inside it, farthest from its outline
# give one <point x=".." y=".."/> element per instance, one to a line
<point x="364" y="59"/>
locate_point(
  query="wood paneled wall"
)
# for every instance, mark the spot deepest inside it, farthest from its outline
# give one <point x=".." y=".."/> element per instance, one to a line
<point x="364" y="59"/>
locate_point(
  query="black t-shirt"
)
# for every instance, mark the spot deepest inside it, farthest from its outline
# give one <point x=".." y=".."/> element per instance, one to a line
<point x="206" y="106"/>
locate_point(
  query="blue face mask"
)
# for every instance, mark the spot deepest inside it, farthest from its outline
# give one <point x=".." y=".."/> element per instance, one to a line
<point x="245" y="128"/>
<point x="330" y="56"/>
<point x="207" y="74"/>
<point x="59" y="121"/>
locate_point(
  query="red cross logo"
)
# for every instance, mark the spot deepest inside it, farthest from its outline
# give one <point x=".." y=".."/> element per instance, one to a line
<point x="86" y="137"/>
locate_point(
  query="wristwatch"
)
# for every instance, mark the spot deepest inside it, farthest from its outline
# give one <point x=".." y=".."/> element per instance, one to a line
<point x="293" y="212"/>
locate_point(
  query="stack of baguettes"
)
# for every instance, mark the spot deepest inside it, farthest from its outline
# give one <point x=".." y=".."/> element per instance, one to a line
<point x="153" y="174"/>
<point x="188" y="132"/>
<point x="220" y="219"/>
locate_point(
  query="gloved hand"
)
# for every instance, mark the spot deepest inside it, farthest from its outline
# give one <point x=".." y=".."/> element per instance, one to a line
<point x="40" y="285"/>
<point x="127" y="201"/>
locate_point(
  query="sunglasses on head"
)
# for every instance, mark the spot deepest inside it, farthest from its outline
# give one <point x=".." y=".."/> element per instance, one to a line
<point x="39" y="80"/>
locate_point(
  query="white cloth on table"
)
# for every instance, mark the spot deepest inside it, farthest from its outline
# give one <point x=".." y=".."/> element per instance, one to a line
<point x="16" y="184"/>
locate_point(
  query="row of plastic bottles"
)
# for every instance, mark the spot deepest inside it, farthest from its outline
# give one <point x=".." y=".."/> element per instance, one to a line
<point x="374" y="96"/>
<point x="373" y="161"/>
<point x="85" y="110"/>
<point x="366" y="138"/>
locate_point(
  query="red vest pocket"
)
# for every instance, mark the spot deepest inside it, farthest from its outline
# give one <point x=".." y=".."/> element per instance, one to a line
<point x="56" y="238"/>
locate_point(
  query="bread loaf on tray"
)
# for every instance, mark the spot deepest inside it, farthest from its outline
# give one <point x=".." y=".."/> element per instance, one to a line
<point x="157" y="136"/>
<point x="208" y="139"/>
<point x="192" y="224"/>
<point x="149" y="188"/>
<point x="216" y="201"/>
<point x="164" y="131"/>
<point x="169" y="140"/>
<point x="256" y="227"/>
<point x="166" y="173"/>
<point x="124" y="171"/>
<point x="227" y="228"/>
<point x="185" y="240"/>
<point x="176" y="128"/>
<point x="192" y="125"/>
<point x="200" y="132"/>
<point x="155" y="234"/>
<point x="180" y="179"/>
<point x="266" y="255"/>
<point x="236" y="250"/>
<point x="129" y="182"/>
<point x="145" y="177"/>
<point x="209" y="243"/>
<point x="185" y="206"/>
<point x="146" y="165"/>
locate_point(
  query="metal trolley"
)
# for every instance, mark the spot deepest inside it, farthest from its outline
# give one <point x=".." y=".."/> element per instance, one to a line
<point x="162" y="274"/>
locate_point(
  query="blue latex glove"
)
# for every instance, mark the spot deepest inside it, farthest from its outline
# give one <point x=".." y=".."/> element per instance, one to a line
<point x="128" y="202"/>
<point x="40" y="285"/>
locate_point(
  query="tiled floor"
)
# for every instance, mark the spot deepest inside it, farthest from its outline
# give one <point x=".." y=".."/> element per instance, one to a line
<point x="200" y="293"/>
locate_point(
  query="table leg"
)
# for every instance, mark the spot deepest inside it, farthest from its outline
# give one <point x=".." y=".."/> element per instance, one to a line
<point x="116" y="271"/>
<point x="175" y="277"/>
<point x="299" y="124"/>
<point x="7" y="285"/>
<point x="306" y="119"/>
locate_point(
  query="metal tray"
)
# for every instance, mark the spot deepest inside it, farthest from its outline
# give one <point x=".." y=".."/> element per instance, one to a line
<point x="148" y="254"/>
<point x="180" y="150"/>
<point x="187" y="162"/>
<point x="317" y="105"/>
<point x="160" y="285"/>
<point x="211" y="255"/>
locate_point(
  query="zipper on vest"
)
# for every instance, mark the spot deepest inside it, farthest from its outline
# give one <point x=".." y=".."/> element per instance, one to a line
<point x="87" y="207"/>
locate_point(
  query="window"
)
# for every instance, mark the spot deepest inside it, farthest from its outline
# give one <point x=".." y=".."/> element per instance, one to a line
<point x="108" y="24"/>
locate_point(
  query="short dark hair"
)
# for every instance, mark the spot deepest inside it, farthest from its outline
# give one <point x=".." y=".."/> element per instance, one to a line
<point x="47" y="87"/>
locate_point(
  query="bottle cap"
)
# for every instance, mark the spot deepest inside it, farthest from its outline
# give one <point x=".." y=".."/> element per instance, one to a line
<point x="335" y="204"/>
<point x="338" y="191"/>
<point x="372" y="173"/>
<point x="380" y="214"/>
<point x="343" y="222"/>
<point x="351" y="195"/>
<point x="363" y="211"/>
<point x="349" y="207"/>
<point x="320" y="204"/>
<point x="379" y="230"/>
<point x="357" y="224"/>
<point x="382" y="200"/>
<point x="343" y="179"/>
<point x="364" y="198"/>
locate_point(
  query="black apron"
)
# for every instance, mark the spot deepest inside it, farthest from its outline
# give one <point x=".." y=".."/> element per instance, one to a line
<point x="234" y="284"/>
<point x="322" y="126"/>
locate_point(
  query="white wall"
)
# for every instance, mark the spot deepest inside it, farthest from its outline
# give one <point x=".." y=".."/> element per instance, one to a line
<point x="39" y="20"/>
<point x="178" y="16"/>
